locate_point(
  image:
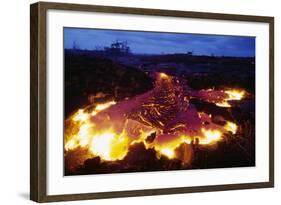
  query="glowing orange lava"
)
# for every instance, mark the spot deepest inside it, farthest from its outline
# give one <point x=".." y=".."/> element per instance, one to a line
<point x="110" y="145"/>
<point x="108" y="132"/>
<point x="231" y="95"/>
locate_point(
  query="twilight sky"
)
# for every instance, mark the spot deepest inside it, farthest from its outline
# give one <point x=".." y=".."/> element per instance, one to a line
<point x="157" y="43"/>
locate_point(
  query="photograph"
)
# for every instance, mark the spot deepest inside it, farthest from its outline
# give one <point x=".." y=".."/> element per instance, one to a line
<point x="139" y="101"/>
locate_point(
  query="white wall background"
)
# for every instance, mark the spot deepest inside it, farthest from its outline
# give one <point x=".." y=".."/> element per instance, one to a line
<point x="14" y="101"/>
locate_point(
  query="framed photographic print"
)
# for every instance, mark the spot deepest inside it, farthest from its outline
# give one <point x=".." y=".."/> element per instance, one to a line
<point x="133" y="102"/>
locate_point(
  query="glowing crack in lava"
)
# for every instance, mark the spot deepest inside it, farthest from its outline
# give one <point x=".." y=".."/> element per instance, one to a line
<point x="162" y="119"/>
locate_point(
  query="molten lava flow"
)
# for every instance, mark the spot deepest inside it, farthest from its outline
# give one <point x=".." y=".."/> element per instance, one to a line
<point x="221" y="98"/>
<point x="231" y="95"/>
<point x="79" y="132"/>
<point x="235" y="94"/>
<point x="168" y="148"/>
<point x="162" y="119"/>
<point x="80" y="116"/>
<point x="109" y="146"/>
<point x="101" y="107"/>
<point x="168" y="152"/>
<point x="231" y="127"/>
<point x="163" y="76"/>
<point x="210" y="136"/>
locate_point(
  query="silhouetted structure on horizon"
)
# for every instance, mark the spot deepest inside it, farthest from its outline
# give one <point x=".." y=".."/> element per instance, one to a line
<point x="118" y="48"/>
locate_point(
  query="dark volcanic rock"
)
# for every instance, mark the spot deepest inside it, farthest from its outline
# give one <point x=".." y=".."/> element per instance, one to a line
<point x="85" y="75"/>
